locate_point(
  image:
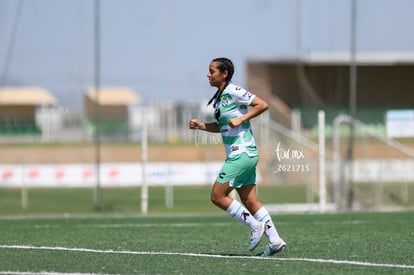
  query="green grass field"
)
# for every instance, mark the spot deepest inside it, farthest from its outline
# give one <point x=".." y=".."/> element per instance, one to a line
<point x="345" y="243"/>
<point x="187" y="199"/>
<point x="61" y="232"/>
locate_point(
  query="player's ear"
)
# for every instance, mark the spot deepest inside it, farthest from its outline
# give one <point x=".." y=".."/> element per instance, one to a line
<point x="225" y="74"/>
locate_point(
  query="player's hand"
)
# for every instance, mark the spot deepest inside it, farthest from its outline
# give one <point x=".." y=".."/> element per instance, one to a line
<point x="194" y="124"/>
<point x="235" y="122"/>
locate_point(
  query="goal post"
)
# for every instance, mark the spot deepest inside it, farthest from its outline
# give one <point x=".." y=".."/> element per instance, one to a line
<point x="144" y="159"/>
<point x="322" y="161"/>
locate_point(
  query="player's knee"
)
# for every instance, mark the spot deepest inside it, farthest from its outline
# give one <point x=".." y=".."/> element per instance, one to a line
<point x="214" y="198"/>
<point x="218" y="199"/>
<point x="251" y="203"/>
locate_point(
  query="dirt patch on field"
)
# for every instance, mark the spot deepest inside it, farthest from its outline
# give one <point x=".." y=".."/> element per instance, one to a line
<point x="108" y="153"/>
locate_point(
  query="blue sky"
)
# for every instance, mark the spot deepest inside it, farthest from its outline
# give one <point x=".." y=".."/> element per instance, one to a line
<point x="161" y="48"/>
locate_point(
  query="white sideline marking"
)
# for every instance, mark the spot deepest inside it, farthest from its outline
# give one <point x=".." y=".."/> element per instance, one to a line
<point x="88" y="250"/>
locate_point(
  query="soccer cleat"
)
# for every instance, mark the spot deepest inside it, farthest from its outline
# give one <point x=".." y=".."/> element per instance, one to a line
<point x="256" y="235"/>
<point x="272" y="249"/>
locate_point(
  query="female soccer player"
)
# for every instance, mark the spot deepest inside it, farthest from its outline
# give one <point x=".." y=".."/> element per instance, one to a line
<point x="232" y="113"/>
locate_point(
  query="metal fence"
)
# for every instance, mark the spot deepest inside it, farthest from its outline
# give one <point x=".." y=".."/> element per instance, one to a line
<point x="378" y="176"/>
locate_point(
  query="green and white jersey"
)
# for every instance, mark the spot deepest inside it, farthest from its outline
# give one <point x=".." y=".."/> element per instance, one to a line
<point x="233" y="103"/>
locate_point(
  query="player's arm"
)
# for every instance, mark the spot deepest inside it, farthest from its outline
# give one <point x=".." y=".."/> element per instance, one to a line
<point x="209" y="127"/>
<point x="258" y="106"/>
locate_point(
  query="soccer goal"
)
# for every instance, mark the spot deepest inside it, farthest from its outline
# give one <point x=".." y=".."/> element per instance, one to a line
<point x="294" y="158"/>
<point x="379" y="175"/>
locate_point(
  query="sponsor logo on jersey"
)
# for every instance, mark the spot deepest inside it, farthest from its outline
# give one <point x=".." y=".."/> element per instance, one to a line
<point x="247" y="95"/>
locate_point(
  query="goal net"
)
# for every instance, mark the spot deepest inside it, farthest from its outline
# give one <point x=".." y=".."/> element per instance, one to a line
<point x="370" y="171"/>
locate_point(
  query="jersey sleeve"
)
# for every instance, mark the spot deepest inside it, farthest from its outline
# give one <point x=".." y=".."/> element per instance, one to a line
<point x="242" y="96"/>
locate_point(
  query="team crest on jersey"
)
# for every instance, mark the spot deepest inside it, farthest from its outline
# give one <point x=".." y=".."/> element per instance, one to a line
<point x="224" y="100"/>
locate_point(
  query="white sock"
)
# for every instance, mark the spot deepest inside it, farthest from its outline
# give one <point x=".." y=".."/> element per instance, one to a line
<point x="262" y="215"/>
<point x="240" y="213"/>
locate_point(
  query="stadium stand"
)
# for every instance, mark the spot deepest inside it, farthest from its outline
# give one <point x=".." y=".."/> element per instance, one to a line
<point x="320" y="81"/>
<point x="112" y="105"/>
<point x="18" y="109"/>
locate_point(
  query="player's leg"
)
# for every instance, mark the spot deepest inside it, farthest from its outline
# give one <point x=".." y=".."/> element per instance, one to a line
<point x="248" y="196"/>
<point x="220" y="197"/>
<point x="262" y="215"/>
<point x="249" y="199"/>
